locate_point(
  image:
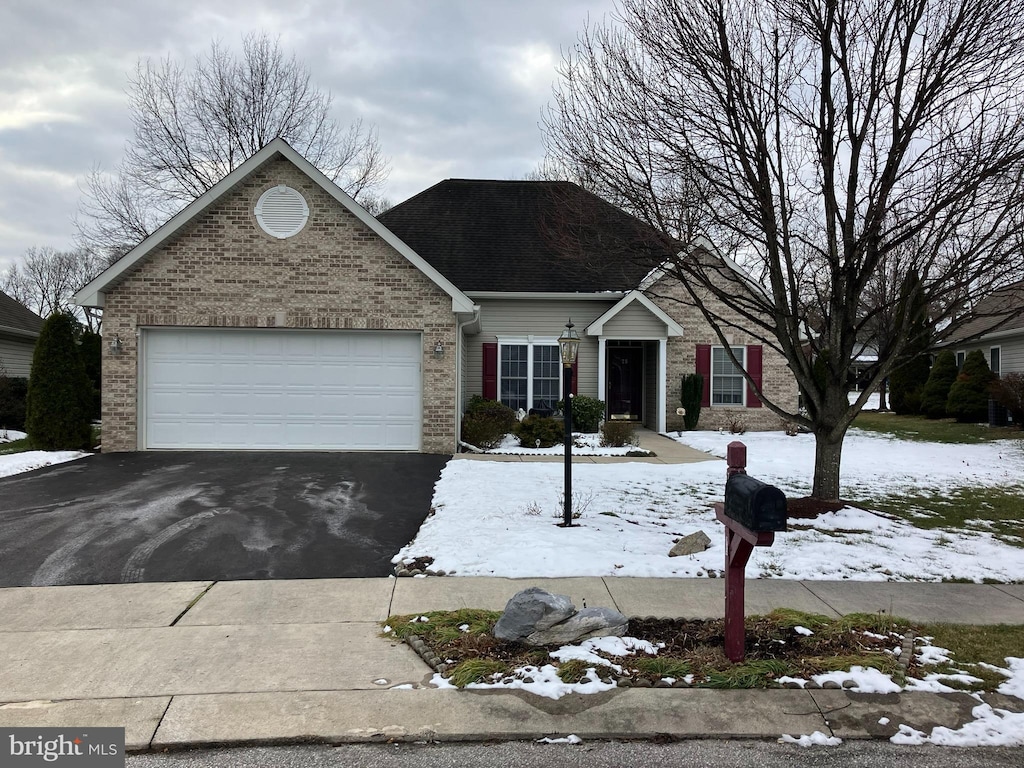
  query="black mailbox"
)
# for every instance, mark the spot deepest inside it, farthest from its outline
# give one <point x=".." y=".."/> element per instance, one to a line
<point x="756" y="505"/>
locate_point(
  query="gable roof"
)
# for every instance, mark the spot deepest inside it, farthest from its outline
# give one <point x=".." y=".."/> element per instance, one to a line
<point x="92" y="295"/>
<point x="1002" y="311"/>
<point x="525" y="236"/>
<point x="17" y="319"/>
<point x="596" y="328"/>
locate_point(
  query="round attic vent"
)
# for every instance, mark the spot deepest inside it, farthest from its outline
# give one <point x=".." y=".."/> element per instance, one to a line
<point x="281" y="212"/>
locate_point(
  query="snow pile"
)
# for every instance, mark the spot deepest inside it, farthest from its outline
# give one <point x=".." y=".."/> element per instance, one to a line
<point x="10" y="435"/>
<point x="17" y="463"/>
<point x="583" y="444"/>
<point x="572" y="738"/>
<point x="815" y="739"/>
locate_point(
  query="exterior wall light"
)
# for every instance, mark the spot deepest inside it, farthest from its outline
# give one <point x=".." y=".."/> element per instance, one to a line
<point x="439" y="350"/>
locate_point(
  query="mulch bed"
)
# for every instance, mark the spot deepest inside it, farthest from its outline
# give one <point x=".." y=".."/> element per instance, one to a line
<point x="809" y="508"/>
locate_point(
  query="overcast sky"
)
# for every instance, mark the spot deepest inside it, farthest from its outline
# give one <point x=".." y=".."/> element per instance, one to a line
<point x="454" y="87"/>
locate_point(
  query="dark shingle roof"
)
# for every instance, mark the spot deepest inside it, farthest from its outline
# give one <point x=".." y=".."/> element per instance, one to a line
<point x="542" y="236"/>
<point x="15" y="315"/>
<point x="1001" y="310"/>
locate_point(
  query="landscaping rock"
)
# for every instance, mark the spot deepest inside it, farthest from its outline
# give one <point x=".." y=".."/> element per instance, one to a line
<point x="691" y="545"/>
<point x="532" y="610"/>
<point x="590" y="622"/>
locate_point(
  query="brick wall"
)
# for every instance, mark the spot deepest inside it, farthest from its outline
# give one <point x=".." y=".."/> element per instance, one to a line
<point x="222" y="270"/>
<point x="777" y="382"/>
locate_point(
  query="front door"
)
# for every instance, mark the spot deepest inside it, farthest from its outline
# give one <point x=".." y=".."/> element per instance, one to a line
<point x="626" y="383"/>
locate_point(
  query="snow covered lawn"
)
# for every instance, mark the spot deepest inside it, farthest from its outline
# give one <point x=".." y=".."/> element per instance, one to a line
<point x="498" y="519"/>
<point x="584" y="444"/>
<point x="15" y="463"/>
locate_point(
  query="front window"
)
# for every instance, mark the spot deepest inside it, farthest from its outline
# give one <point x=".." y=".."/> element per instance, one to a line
<point x="727" y="383"/>
<point x="530" y="376"/>
<point x="960" y="357"/>
<point x="993" y="359"/>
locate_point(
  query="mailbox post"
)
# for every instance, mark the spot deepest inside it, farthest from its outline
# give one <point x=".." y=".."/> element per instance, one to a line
<point x="752" y="513"/>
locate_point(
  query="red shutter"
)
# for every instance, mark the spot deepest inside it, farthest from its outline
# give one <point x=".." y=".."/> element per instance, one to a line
<point x="704" y="369"/>
<point x="490" y="372"/>
<point x="575" y="377"/>
<point x="754" y="354"/>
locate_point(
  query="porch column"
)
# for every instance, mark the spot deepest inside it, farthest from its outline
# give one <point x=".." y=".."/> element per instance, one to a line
<point x="602" y="380"/>
<point x="662" y="382"/>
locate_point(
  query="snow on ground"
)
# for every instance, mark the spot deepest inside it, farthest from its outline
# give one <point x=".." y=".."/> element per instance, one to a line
<point x="584" y="444"/>
<point x="498" y="519"/>
<point x="16" y="463"/>
<point x="10" y="435"/>
<point x="870" y="405"/>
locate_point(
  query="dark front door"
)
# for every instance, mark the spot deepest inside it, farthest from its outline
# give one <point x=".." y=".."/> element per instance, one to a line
<point x="625" y="383"/>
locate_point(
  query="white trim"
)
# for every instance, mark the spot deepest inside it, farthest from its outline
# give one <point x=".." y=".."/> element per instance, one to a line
<point x="662" y="382"/>
<point x="602" y="370"/>
<point x="92" y="295"/>
<point x="672" y="328"/>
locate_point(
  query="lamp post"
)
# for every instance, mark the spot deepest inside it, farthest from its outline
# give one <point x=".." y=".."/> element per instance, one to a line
<point x="569" y="345"/>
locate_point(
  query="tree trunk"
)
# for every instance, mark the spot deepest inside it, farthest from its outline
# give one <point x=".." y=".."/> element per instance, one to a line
<point x="828" y="450"/>
<point x="881" y="395"/>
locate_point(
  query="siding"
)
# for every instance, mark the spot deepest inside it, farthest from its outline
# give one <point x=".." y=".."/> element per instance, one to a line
<point x="634" y="322"/>
<point x="537" y="317"/>
<point x="1011" y="351"/>
<point x="16" y="356"/>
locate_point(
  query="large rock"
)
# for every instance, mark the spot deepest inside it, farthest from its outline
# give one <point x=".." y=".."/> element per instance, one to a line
<point x="531" y="610"/>
<point x="590" y="622"/>
<point x="691" y="545"/>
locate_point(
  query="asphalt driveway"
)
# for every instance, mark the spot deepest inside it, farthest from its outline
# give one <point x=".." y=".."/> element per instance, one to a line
<point x="185" y="516"/>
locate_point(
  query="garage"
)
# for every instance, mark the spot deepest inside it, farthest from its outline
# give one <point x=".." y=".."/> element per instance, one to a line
<point x="280" y="389"/>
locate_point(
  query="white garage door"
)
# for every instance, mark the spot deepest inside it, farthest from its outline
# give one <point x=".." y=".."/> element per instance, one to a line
<point x="281" y="389"/>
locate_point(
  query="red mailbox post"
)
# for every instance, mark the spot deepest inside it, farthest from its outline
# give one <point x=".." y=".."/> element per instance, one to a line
<point x="740" y="541"/>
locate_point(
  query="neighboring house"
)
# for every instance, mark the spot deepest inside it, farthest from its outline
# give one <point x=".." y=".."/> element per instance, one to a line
<point x="19" y="329"/>
<point x="275" y="313"/>
<point x="997" y="329"/>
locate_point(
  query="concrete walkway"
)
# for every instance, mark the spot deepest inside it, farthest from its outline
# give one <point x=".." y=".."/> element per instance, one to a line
<point x="665" y="450"/>
<point x="197" y="663"/>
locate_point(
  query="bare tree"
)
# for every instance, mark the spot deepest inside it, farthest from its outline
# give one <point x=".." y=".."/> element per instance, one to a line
<point x="45" y="281"/>
<point x="193" y="125"/>
<point x="817" y="144"/>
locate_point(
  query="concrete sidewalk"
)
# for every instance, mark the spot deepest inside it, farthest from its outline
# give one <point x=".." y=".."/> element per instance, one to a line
<point x="664" y="450"/>
<point x="193" y="663"/>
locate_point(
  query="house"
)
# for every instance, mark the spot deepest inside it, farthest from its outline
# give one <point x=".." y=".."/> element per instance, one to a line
<point x="275" y="313"/>
<point x="19" y="330"/>
<point x="997" y="329"/>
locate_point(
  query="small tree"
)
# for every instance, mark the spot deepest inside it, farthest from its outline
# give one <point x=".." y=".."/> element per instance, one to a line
<point x="1008" y="391"/>
<point x="906" y="383"/>
<point x="60" y="395"/>
<point x="968" y="396"/>
<point x="936" y="390"/>
<point x="690" y="393"/>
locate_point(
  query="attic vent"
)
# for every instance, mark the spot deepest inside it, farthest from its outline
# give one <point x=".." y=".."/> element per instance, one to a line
<point x="281" y="212"/>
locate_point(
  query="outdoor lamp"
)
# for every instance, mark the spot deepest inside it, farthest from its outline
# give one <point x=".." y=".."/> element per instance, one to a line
<point x="569" y="345"/>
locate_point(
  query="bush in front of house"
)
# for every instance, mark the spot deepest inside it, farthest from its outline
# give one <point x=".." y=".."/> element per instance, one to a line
<point x="59" y="401"/>
<point x="618" y="434"/>
<point x="936" y="389"/>
<point x="968" y="396"/>
<point x="91" y="346"/>
<point x="13" y="390"/>
<point x="1008" y="391"/>
<point x="487" y="422"/>
<point x="587" y="413"/>
<point x="546" y="429"/>
<point x="690" y="394"/>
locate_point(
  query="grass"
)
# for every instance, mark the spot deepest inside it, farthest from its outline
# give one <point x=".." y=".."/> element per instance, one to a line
<point x="972" y="645"/>
<point x="691" y="650"/>
<point x="15" y="446"/>
<point x="933" y="430"/>
<point x="997" y="510"/>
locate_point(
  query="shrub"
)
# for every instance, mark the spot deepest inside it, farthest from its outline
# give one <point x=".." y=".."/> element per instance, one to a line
<point x="60" y="395"/>
<point x="91" y="346"/>
<point x="907" y="381"/>
<point x="968" y="396"/>
<point x="618" y="434"/>
<point x="690" y="394"/>
<point x="587" y="413"/>
<point x="936" y="389"/>
<point x="1008" y="391"/>
<point x="487" y="422"/>
<point x="13" y="390"/>
<point x="548" y="430"/>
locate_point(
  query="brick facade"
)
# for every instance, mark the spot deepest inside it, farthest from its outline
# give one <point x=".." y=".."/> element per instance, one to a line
<point x="777" y="381"/>
<point x="222" y="270"/>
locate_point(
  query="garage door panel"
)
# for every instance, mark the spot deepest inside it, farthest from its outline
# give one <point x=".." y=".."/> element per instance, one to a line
<point x="264" y="389"/>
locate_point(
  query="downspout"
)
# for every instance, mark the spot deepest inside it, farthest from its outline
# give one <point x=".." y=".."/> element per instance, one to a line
<point x="459" y="383"/>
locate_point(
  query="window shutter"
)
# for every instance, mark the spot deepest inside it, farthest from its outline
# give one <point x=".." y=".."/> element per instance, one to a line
<point x="704" y="369"/>
<point x="575" y="377"/>
<point x="490" y="372"/>
<point x="754" y="354"/>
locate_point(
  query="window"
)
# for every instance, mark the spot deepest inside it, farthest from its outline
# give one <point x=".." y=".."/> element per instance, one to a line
<point x="993" y="359"/>
<point x="727" y="385"/>
<point x="530" y="376"/>
<point x="960" y="357"/>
